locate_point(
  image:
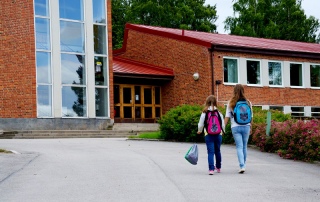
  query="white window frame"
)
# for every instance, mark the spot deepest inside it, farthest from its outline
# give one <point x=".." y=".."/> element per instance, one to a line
<point x="238" y="76"/>
<point x="302" y="76"/>
<point x="282" y="72"/>
<point x="302" y="113"/>
<point x="310" y="75"/>
<point x="260" y="72"/>
<point x="89" y="59"/>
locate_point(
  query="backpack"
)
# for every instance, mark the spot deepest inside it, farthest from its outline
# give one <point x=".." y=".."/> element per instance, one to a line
<point x="242" y="112"/>
<point x="213" y="123"/>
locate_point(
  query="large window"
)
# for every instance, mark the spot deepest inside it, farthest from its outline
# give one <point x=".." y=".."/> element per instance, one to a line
<point x="315" y="75"/>
<point x="296" y="74"/>
<point x="253" y="72"/>
<point x="72" y="58"/>
<point x="100" y="57"/>
<point x="275" y="73"/>
<point x="230" y="67"/>
<point x="43" y="58"/>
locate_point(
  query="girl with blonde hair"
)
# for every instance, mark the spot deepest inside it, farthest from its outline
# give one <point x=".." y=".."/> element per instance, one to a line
<point x="213" y="142"/>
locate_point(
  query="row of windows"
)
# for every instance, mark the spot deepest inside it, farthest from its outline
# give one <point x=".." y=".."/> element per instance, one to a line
<point x="299" y="111"/>
<point x="254" y="73"/>
<point x="76" y="63"/>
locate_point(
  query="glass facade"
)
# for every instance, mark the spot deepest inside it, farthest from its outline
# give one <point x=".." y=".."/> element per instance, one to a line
<point x="71" y="58"/>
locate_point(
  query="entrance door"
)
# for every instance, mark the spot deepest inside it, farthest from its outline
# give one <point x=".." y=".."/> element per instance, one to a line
<point x="137" y="103"/>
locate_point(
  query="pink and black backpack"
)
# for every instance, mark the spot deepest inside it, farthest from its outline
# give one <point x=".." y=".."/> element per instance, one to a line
<point x="213" y="122"/>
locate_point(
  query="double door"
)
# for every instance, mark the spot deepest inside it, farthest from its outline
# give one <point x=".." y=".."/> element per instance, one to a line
<point x="137" y="103"/>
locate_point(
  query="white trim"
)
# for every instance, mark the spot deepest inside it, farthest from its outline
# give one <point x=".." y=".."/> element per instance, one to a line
<point x="242" y="70"/>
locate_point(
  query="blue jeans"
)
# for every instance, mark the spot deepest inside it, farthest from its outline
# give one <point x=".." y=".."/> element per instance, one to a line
<point x="213" y="143"/>
<point x="241" y="137"/>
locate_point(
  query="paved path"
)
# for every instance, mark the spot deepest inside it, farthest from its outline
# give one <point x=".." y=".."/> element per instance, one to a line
<point x="125" y="170"/>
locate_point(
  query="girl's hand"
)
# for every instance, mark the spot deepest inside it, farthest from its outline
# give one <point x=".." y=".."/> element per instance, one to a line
<point x="199" y="132"/>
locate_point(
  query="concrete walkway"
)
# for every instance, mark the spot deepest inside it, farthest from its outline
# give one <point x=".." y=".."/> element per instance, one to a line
<point x="125" y="170"/>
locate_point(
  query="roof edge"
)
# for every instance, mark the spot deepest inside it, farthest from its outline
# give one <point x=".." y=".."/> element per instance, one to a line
<point x="180" y="37"/>
<point x="287" y="53"/>
<point x="134" y="62"/>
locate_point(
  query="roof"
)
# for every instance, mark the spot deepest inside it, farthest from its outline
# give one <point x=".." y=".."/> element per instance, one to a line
<point x="123" y="67"/>
<point x="233" y="42"/>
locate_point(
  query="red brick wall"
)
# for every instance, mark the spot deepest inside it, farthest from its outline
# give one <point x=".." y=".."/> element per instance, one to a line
<point x="109" y="21"/>
<point x="266" y="95"/>
<point x="17" y="60"/>
<point x="184" y="58"/>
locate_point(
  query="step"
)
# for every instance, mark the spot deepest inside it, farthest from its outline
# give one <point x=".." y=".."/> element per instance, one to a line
<point x="41" y="134"/>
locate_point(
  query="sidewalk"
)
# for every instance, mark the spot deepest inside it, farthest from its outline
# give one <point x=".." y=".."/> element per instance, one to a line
<point x="124" y="170"/>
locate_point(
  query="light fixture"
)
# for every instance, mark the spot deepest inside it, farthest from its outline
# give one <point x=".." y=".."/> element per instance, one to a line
<point x="196" y="76"/>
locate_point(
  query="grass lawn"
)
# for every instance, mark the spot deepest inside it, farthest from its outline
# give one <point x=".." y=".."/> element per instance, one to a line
<point x="4" y="151"/>
<point x="148" y="135"/>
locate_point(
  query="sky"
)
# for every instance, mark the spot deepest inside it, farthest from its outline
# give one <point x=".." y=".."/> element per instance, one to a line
<point x="224" y="9"/>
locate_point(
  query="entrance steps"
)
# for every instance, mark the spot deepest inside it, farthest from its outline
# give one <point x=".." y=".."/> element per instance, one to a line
<point x="118" y="130"/>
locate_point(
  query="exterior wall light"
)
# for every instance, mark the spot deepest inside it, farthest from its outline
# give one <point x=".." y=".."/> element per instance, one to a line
<point x="196" y="76"/>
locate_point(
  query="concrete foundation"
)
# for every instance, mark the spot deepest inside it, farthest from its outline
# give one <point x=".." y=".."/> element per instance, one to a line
<point x="9" y="124"/>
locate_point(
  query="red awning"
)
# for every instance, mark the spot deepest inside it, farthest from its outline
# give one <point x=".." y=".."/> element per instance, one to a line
<point x="123" y="67"/>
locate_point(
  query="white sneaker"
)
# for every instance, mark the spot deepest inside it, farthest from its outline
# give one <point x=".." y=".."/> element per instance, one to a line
<point x="242" y="170"/>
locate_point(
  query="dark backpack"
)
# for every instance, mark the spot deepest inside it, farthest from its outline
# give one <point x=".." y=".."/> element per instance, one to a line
<point x="242" y="113"/>
<point x="213" y="122"/>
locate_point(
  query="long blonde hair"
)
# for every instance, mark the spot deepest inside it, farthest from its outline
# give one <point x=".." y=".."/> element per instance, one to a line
<point x="238" y="93"/>
<point x="211" y="101"/>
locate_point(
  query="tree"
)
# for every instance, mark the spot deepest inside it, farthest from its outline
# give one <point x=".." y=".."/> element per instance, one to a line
<point x="182" y="14"/>
<point x="276" y="19"/>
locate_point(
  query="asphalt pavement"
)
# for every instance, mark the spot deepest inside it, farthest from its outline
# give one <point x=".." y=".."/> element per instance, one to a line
<point x="108" y="169"/>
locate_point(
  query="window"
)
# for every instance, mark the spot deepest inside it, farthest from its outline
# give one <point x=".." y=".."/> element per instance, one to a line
<point x="297" y="111"/>
<point x="43" y="58"/>
<point x="253" y="72"/>
<point x="279" y="108"/>
<point x="315" y="112"/>
<point x="230" y="67"/>
<point x="100" y="57"/>
<point x="296" y="74"/>
<point x="315" y="75"/>
<point x="275" y="73"/>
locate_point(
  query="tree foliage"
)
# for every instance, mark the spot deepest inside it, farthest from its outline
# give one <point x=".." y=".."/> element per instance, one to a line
<point x="182" y="14"/>
<point x="276" y="19"/>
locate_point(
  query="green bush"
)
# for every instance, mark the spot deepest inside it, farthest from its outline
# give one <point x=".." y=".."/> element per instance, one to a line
<point x="181" y="124"/>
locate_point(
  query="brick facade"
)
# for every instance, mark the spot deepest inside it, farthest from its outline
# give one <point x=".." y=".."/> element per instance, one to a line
<point x="17" y="60"/>
<point x="267" y="95"/>
<point x="187" y="58"/>
<point x="184" y="58"/>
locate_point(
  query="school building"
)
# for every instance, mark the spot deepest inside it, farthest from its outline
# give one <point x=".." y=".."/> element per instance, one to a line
<point x="58" y="70"/>
<point x="277" y="74"/>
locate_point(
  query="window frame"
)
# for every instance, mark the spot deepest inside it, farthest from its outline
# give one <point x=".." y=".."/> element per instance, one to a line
<point x="260" y="71"/>
<point x="282" y="77"/>
<point x="302" y="75"/>
<point x="238" y="77"/>
<point x="316" y="64"/>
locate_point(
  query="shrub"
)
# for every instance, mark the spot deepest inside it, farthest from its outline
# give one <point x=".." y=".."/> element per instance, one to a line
<point x="292" y="139"/>
<point x="181" y="124"/>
